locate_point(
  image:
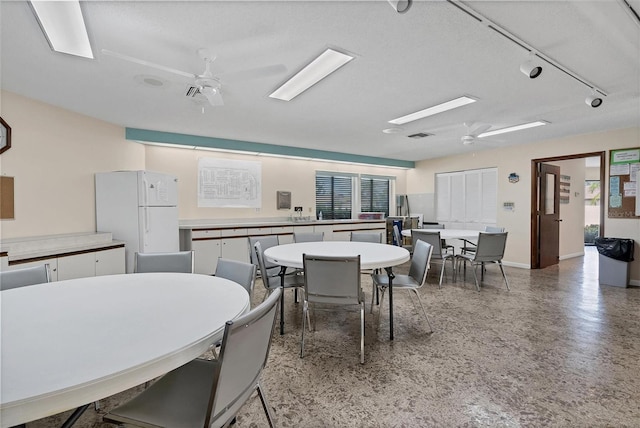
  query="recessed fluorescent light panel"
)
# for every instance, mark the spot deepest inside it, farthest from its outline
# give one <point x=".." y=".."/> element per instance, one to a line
<point x="513" y="128"/>
<point x="63" y="26"/>
<point x="449" y="105"/>
<point x="325" y="64"/>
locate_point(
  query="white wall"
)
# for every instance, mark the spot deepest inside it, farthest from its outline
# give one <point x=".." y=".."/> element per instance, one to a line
<point x="518" y="159"/>
<point x="295" y="176"/>
<point x="53" y="156"/>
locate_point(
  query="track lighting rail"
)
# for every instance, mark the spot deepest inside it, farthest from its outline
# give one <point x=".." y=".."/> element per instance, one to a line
<point x="531" y="49"/>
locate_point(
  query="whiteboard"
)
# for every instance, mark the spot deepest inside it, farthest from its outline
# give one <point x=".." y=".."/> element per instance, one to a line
<point x="225" y="183"/>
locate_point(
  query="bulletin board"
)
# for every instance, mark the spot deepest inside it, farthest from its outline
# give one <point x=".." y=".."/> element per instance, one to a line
<point x="623" y="201"/>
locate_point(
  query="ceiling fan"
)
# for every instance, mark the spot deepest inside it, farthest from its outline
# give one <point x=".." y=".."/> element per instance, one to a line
<point x="206" y="83"/>
<point x="473" y="130"/>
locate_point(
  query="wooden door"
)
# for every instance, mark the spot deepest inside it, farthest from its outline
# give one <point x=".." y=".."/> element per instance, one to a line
<point x="549" y="215"/>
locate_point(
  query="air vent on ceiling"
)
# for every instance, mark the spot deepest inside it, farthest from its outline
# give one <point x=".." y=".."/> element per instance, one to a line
<point x="192" y="91"/>
<point x="419" y="135"/>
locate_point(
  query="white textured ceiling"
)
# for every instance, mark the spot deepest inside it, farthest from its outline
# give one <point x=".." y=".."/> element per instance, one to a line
<point x="404" y="62"/>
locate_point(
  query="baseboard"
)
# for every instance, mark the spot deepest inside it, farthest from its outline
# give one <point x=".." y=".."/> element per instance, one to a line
<point x="570" y="256"/>
<point x="635" y="282"/>
<point x="516" y="265"/>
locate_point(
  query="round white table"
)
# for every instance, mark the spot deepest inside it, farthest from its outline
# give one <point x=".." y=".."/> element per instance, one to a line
<point x="69" y="343"/>
<point x="372" y="256"/>
<point x="463" y="234"/>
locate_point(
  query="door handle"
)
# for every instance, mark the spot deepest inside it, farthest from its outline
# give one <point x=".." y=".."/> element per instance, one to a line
<point x="558" y="219"/>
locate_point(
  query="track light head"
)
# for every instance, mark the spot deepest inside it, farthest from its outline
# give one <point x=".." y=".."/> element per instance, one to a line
<point x="593" y="101"/>
<point x="400" y="6"/>
<point x="528" y="68"/>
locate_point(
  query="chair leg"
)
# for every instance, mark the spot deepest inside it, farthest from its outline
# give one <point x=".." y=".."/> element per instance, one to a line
<point x="374" y="291"/>
<point x="305" y="317"/>
<point x="503" y="275"/>
<point x="381" y="300"/>
<point x="362" y="332"/>
<point x="423" y="311"/>
<point x="441" y="273"/>
<point x="265" y="406"/>
<point x="475" y="276"/>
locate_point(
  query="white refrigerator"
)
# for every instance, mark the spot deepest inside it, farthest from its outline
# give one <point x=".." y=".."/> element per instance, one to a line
<point x="139" y="208"/>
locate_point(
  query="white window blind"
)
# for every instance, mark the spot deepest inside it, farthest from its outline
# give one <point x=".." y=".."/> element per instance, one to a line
<point x="467" y="199"/>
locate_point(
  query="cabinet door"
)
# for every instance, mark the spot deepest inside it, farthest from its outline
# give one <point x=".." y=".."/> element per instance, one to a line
<point x="205" y="256"/>
<point x="78" y="266"/>
<point x="236" y="249"/>
<point x="110" y="262"/>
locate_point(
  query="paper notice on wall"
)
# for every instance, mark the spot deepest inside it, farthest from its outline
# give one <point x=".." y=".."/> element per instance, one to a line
<point x="619" y="169"/>
<point x="633" y="171"/>
<point x="224" y="183"/>
<point x="629" y="189"/>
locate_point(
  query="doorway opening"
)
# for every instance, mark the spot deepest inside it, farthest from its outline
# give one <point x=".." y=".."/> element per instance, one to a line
<point x="542" y="236"/>
<point x="592" y="200"/>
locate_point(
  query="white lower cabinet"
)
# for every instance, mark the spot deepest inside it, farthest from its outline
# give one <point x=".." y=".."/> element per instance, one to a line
<point x="94" y="263"/>
<point x="205" y="255"/>
<point x="53" y="266"/>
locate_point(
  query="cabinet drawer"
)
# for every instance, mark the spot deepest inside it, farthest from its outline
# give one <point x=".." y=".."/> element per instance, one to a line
<point x="204" y="234"/>
<point x="234" y="232"/>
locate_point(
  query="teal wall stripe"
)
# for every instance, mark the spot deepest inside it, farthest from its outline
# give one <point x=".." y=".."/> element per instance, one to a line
<point x="247" y="146"/>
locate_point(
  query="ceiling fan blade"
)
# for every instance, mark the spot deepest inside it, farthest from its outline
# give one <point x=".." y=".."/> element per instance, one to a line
<point x="148" y="64"/>
<point x="479" y="128"/>
<point x="213" y="95"/>
<point x="253" y="73"/>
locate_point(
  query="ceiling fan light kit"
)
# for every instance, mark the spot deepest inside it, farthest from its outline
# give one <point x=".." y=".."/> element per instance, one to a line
<point x="400" y="6"/>
<point x="63" y="26"/>
<point x="326" y="63"/>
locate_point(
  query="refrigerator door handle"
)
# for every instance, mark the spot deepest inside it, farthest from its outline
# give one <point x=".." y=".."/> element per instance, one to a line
<point x="147" y="223"/>
<point x="145" y="183"/>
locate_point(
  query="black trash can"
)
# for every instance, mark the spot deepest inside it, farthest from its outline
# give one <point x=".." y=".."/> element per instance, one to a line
<point x="613" y="260"/>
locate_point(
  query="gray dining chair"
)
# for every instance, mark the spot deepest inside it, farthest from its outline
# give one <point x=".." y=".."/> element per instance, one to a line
<point x="332" y="281"/>
<point x="439" y="254"/>
<point x="24" y="277"/>
<point x="273" y="280"/>
<point x="490" y="249"/>
<point x="413" y="281"/>
<point x="375" y="237"/>
<point x="209" y="393"/>
<point x="265" y="242"/>
<point x="308" y="236"/>
<point x="237" y="271"/>
<point x="470" y="246"/>
<point x="177" y="261"/>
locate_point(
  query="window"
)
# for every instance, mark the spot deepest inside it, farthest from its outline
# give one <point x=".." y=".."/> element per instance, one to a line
<point x="374" y="195"/>
<point x="333" y="197"/>
<point x="467" y="199"/>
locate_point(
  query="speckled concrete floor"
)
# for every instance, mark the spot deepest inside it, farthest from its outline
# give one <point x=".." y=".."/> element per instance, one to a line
<point x="558" y="350"/>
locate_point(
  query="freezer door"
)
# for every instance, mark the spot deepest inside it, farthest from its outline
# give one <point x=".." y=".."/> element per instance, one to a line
<point x="157" y="190"/>
<point x="158" y="229"/>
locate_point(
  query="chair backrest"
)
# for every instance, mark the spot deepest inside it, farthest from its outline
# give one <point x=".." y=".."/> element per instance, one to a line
<point x="420" y="261"/>
<point x="330" y="279"/>
<point x="265" y="242"/>
<point x="179" y="261"/>
<point x="490" y="246"/>
<point x="23" y="277"/>
<point x="243" y="355"/>
<point x="493" y="229"/>
<point x="270" y="278"/>
<point x="237" y="271"/>
<point x="367" y="237"/>
<point x="308" y="236"/>
<point x="429" y="237"/>
<point x="433" y="226"/>
<point x="397" y="237"/>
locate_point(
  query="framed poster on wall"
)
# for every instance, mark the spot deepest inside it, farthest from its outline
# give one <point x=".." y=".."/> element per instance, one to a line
<point x="623" y="178"/>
